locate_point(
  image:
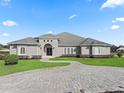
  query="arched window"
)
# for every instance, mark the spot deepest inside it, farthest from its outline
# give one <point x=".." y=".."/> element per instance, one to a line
<point x="22" y="50"/>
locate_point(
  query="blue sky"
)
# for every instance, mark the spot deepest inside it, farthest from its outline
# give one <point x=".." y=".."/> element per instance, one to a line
<point x="98" y="19"/>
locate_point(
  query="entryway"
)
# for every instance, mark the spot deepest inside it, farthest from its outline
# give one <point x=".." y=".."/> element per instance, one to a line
<point x="48" y="49"/>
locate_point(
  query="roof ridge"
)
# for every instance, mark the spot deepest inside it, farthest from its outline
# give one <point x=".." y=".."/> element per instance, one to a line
<point x="70" y="34"/>
<point x="48" y="35"/>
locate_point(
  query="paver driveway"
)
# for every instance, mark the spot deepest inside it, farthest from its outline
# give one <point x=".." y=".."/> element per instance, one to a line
<point x="72" y="78"/>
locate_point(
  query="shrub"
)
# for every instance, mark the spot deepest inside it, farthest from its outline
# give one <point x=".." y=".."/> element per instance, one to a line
<point x="78" y="56"/>
<point x="2" y="56"/>
<point x="11" y="59"/>
<point x="120" y="54"/>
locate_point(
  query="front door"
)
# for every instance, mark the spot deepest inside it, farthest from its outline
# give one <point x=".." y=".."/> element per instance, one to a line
<point x="49" y="52"/>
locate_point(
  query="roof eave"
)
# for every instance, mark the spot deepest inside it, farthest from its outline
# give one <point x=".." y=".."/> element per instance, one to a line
<point x="64" y="45"/>
<point x="20" y="44"/>
<point x="95" y="45"/>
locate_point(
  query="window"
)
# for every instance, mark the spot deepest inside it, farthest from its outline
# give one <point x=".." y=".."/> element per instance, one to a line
<point x="68" y="50"/>
<point x="65" y="50"/>
<point x="44" y="40"/>
<point x="51" y="40"/>
<point x="99" y="50"/>
<point x="47" y="40"/>
<point x="71" y="50"/>
<point x="22" y="50"/>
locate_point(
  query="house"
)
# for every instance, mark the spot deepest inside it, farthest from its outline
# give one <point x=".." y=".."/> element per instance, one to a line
<point x="63" y="44"/>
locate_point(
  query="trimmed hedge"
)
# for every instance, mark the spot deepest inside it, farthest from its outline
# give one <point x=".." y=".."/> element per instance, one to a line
<point x="11" y="59"/>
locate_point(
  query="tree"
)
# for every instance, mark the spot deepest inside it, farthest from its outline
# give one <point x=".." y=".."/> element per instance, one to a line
<point x="4" y="47"/>
<point x="1" y="46"/>
<point x="114" y="49"/>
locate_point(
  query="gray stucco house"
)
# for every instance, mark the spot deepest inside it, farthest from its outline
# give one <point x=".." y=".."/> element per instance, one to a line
<point x="63" y="44"/>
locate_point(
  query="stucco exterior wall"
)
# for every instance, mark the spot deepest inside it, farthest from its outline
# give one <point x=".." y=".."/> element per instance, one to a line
<point x="101" y="50"/>
<point x="54" y="44"/>
<point x="13" y="50"/>
<point x="29" y="50"/>
<point x="85" y="50"/>
<point x="33" y="50"/>
<point x="60" y="51"/>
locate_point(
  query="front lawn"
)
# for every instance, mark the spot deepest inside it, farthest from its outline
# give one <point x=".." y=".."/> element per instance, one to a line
<point x="115" y="62"/>
<point x="25" y="65"/>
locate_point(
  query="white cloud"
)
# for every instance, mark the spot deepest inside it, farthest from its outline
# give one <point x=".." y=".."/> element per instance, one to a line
<point x="115" y="27"/>
<point x="50" y="32"/>
<point x="9" y="23"/>
<point x="72" y="16"/>
<point x="118" y="19"/>
<point x="112" y="3"/>
<point x="121" y="19"/>
<point x="5" y="2"/>
<point x="5" y="34"/>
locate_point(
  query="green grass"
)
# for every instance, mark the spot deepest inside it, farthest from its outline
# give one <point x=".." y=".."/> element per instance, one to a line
<point x="25" y="65"/>
<point x="115" y="62"/>
<point x="66" y="58"/>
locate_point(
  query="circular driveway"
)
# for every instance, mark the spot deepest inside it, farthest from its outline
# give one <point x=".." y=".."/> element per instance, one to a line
<point x="73" y="78"/>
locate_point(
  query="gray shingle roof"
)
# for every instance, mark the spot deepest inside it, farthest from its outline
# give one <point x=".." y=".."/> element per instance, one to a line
<point x="65" y="39"/>
<point x="68" y="39"/>
<point x="90" y="41"/>
<point x="48" y="36"/>
<point x="27" y="41"/>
